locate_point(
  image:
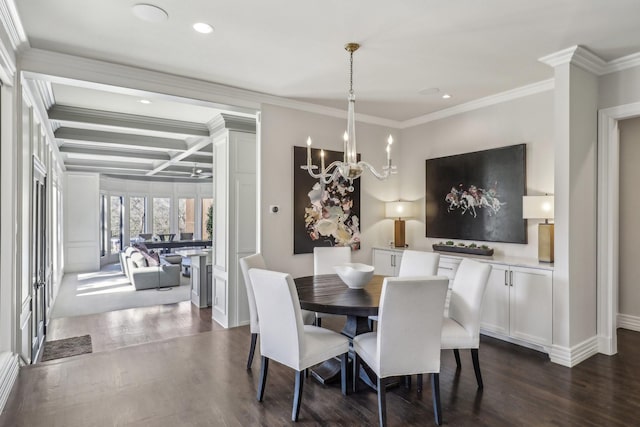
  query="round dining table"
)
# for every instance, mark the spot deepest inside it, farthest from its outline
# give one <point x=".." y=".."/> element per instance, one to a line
<point x="327" y="293"/>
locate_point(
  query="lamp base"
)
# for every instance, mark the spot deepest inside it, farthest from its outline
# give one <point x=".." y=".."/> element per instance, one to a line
<point x="398" y="234"/>
<point x="545" y="242"/>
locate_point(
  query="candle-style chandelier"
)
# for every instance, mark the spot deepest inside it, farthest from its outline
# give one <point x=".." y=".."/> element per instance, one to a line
<point x="350" y="168"/>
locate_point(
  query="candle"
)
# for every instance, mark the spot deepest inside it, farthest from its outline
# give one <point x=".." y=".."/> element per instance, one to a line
<point x="389" y="142"/>
<point x="322" y="160"/>
<point x="309" y="151"/>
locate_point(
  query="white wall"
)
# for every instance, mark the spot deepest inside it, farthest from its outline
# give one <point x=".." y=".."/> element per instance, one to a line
<point x="629" y="291"/>
<point x="283" y="128"/>
<point x="619" y="88"/>
<point x="525" y="120"/>
<point x="82" y="222"/>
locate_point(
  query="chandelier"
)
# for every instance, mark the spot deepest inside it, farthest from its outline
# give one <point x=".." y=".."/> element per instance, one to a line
<point x="350" y="168"/>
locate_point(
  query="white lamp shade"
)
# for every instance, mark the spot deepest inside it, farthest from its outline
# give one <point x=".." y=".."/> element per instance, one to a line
<point x="537" y="207"/>
<point x="398" y="209"/>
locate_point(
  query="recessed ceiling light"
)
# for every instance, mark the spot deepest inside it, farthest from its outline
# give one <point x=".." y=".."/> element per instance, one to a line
<point x="150" y="13"/>
<point x="145" y="101"/>
<point x="446" y="96"/>
<point x="203" y="28"/>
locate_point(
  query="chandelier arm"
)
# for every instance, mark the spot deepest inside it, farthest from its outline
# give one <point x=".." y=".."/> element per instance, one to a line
<point x="386" y="170"/>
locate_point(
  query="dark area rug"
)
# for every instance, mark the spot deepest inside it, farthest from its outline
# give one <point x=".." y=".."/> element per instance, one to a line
<point x="66" y="347"/>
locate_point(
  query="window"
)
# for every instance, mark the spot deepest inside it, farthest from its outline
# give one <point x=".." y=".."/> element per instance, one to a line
<point x="116" y="211"/>
<point x="161" y="215"/>
<point x="207" y="207"/>
<point x="137" y="216"/>
<point x="186" y="215"/>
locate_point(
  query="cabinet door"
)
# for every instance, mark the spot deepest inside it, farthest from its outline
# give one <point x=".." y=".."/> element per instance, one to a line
<point x="495" y="304"/>
<point x="383" y="262"/>
<point x="531" y="305"/>
<point x="396" y="259"/>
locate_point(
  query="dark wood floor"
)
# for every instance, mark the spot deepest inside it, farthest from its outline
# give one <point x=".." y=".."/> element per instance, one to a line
<point x="200" y="380"/>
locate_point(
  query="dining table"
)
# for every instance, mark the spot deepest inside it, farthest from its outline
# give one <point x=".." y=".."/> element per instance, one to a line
<point x="327" y="293"/>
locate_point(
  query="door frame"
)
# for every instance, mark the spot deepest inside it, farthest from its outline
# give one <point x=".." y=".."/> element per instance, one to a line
<point x="608" y="232"/>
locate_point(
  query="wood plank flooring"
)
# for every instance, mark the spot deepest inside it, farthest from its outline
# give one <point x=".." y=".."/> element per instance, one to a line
<point x="201" y="380"/>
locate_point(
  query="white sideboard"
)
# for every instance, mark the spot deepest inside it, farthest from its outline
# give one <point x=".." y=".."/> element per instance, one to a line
<point x="518" y="302"/>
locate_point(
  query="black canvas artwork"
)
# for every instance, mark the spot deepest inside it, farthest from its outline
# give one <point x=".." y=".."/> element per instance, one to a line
<point x="477" y="196"/>
<point x="323" y="215"/>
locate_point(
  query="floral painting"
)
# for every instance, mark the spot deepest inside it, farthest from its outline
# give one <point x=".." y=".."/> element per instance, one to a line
<point x="324" y="215"/>
<point x="477" y="196"/>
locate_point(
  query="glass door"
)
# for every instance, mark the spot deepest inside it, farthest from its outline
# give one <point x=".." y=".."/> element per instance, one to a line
<point x="38" y="255"/>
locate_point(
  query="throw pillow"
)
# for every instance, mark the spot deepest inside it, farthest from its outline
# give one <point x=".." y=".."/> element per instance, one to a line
<point x="153" y="259"/>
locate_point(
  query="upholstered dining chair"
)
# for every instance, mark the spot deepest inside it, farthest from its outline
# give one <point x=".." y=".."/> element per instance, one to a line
<point x="415" y="263"/>
<point x="285" y="339"/>
<point x="247" y="263"/>
<point x="324" y="259"/>
<point x="407" y="341"/>
<point x="461" y="329"/>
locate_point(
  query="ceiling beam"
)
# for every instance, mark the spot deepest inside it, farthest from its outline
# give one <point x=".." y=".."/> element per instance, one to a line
<point x="194" y="147"/>
<point x="106" y="153"/>
<point x="67" y="114"/>
<point x="120" y="140"/>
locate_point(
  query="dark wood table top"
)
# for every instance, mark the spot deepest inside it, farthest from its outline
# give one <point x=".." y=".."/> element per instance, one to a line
<point x="329" y="294"/>
<point x="176" y="244"/>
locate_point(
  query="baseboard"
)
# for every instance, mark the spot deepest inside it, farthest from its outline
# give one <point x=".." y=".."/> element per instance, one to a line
<point x="570" y="357"/>
<point x="9" y="367"/>
<point x="626" y="321"/>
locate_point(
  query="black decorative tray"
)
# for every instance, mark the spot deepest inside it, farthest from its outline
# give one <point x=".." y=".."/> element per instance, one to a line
<point x="463" y="249"/>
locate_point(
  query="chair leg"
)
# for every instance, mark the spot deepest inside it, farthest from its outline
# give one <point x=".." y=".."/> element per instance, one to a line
<point x="297" y="397"/>
<point x="382" y="401"/>
<point x="264" y="368"/>
<point x="435" y="390"/>
<point x="407" y="382"/>
<point x="419" y="381"/>
<point x="456" y="354"/>
<point x="356" y="371"/>
<point x="476" y="367"/>
<point x="252" y="349"/>
<point x="344" y="363"/>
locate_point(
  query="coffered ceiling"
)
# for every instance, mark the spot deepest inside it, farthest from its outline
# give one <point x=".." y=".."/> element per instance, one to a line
<point x="412" y="53"/>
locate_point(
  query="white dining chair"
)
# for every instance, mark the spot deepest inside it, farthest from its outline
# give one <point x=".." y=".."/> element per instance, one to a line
<point x="324" y="259"/>
<point x="415" y="263"/>
<point x="407" y="341"/>
<point x="247" y="263"/>
<point x="285" y="339"/>
<point x="461" y="328"/>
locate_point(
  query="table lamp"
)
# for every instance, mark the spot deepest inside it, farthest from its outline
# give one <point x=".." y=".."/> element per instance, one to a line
<point x="541" y="207"/>
<point x="399" y="210"/>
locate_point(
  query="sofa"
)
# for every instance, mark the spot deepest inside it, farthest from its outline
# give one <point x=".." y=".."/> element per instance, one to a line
<point x="135" y="265"/>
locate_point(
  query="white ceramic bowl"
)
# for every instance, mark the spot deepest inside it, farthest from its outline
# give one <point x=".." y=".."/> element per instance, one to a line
<point x="354" y="274"/>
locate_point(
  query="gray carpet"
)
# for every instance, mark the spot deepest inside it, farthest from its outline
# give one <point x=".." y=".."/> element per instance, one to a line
<point x="109" y="290"/>
<point x="66" y="347"/>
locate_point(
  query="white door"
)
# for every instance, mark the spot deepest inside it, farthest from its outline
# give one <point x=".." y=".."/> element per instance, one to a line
<point x="495" y="305"/>
<point x="531" y="305"/>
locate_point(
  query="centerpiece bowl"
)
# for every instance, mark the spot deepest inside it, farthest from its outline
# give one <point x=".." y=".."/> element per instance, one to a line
<point x="354" y="275"/>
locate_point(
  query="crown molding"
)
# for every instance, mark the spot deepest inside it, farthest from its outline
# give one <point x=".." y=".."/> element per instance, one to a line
<point x="498" y="98"/>
<point x="576" y="55"/>
<point x="629" y="61"/>
<point x="589" y="61"/>
<point x="45" y="92"/>
<point x="10" y="20"/>
<point x="231" y="122"/>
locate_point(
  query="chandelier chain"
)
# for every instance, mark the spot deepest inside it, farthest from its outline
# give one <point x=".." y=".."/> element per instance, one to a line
<point x="351" y="72"/>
